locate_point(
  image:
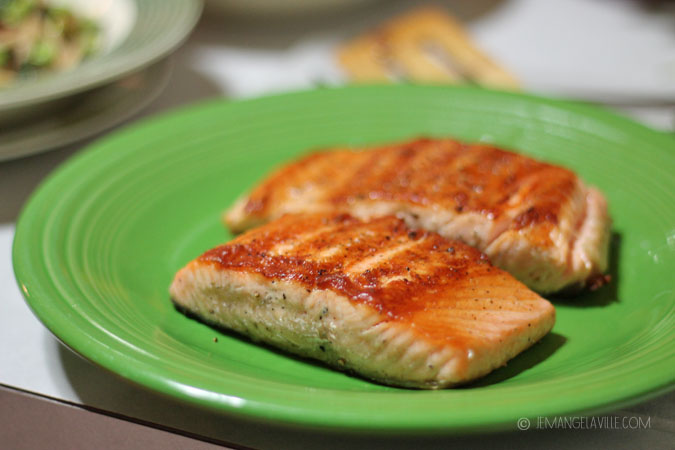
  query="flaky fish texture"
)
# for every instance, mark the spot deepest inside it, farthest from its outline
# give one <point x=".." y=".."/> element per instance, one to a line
<point x="400" y="306"/>
<point x="537" y="221"/>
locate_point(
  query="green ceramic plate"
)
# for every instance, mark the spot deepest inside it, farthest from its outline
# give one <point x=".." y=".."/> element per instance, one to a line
<point x="98" y="243"/>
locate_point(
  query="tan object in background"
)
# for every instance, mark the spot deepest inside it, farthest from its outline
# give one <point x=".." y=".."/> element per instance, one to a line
<point x="424" y="45"/>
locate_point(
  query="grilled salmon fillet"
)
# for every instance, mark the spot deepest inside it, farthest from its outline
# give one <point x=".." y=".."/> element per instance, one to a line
<point x="537" y="221"/>
<point x="396" y="305"/>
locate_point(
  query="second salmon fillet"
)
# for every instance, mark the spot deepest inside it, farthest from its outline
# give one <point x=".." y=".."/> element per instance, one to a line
<point x="396" y="305"/>
<point x="539" y="222"/>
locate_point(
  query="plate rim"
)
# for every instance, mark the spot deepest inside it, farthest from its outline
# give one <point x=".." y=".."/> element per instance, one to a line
<point x="61" y="85"/>
<point x="93" y="125"/>
<point x="155" y="384"/>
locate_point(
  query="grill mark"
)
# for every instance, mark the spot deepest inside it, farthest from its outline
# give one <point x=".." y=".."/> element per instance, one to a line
<point x="329" y="253"/>
<point x="440" y="162"/>
<point x="378" y="168"/>
<point x="393" y="278"/>
<point x="261" y="197"/>
<point x="366" y="164"/>
<point x="545" y="198"/>
<point x="314" y="168"/>
<point x="433" y="159"/>
<point x="511" y="190"/>
<point x="456" y="279"/>
<point x="543" y="209"/>
<point x="355" y="238"/>
<point x="523" y="189"/>
<point x="403" y="171"/>
<point x="389" y="288"/>
<point x="298" y="240"/>
<point x="335" y="173"/>
<point x="382" y="255"/>
<point x="486" y="178"/>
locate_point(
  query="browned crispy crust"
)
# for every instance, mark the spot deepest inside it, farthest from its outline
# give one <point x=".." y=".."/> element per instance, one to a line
<point x="536" y="220"/>
<point x="398" y="305"/>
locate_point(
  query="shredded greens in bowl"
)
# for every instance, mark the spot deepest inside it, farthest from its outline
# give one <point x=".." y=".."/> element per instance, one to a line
<point x="36" y="36"/>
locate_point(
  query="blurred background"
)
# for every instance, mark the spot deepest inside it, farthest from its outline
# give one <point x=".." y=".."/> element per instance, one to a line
<point x="72" y="71"/>
<point x="73" y="76"/>
<point x="620" y="53"/>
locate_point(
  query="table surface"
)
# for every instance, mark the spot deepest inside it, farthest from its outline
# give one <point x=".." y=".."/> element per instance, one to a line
<point x="243" y="57"/>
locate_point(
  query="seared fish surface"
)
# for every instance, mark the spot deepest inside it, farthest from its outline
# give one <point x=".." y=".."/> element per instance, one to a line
<point x="399" y="306"/>
<point x="537" y="221"/>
